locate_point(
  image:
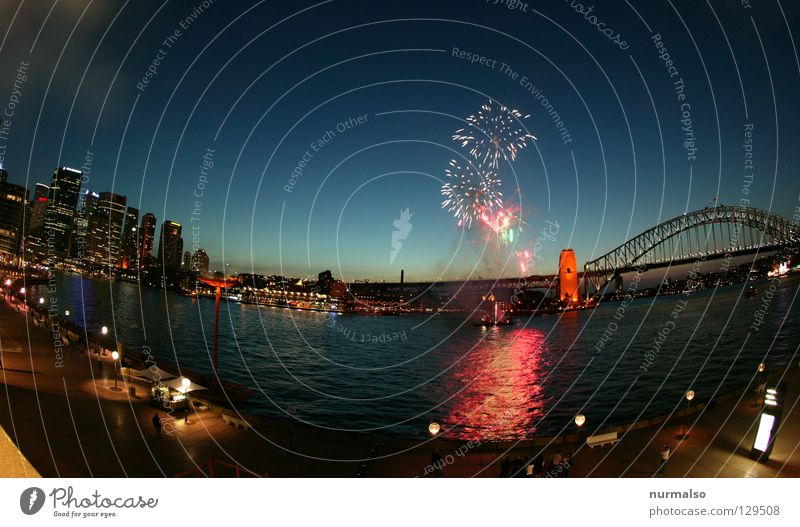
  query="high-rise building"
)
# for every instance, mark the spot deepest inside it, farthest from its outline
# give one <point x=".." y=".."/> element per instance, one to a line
<point x="13" y="199"/>
<point x="186" y="264"/>
<point x="79" y="241"/>
<point x="60" y="212"/>
<point x="200" y="261"/>
<point x="130" y="250"/>
<point x="38" y="207"/>
<point x="105" y="229"/>
<point x="170" y="246"/>
<point x="324" y="282"/>
<point x="147" y="234"/>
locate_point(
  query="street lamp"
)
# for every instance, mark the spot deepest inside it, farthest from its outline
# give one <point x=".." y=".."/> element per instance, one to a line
<point x="104" y="330"/>
<point x="689" y="397"/>
<point x="115" y="356"/>
<point x="41" y="300"/>
<point x="186" y="383"/>
<point x="434" y="428"/>
<point x="768" y="423"/>
<point x="580" y="419"/>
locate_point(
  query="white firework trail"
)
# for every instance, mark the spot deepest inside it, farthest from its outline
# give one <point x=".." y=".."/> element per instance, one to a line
<point x="470" y="192"/>
<point x="495" y="133"/>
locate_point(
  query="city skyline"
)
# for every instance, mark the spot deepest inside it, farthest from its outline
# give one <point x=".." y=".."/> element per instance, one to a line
<point x="375" y="156"/>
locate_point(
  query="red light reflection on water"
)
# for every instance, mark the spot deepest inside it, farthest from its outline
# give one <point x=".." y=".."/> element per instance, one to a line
<point x="501" y="391"/>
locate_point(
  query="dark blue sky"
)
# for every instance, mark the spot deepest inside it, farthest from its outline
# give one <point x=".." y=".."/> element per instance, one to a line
<point x="259" y="82"/>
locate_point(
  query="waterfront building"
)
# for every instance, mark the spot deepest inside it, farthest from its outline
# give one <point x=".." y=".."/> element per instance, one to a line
<point x="38" y="207"/>
<point x="568" y="281"/>
<point x="256" y="281"/>
<point x="13" y="199"/>
<point x="170" y="246"/>
<point x="147" y="234"/>
<point x="186" y="264"/>
<point x="324" y="282"/>
<point x="105" y="228"/>
<point x="61" y="205"/>
<point x="130" y="250"/>
<point x="338" y="290"/>
<point x="200" y="262"/>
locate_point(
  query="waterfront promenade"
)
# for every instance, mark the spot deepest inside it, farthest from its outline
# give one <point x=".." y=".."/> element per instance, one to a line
<point x="66" y="420"/>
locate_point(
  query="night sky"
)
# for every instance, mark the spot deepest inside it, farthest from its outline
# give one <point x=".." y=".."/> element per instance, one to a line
<point x="383" y="86"/>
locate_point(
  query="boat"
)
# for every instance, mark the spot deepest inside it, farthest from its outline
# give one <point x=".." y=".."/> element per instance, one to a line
<point x="750" y="292"/>
<point x="486" y="320"/>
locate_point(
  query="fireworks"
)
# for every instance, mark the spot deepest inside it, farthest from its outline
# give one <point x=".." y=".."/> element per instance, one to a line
<point x="495" y="133"/>
<point x="471" y="192"/>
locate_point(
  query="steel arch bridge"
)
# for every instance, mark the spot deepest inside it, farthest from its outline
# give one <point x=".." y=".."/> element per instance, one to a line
<point x="709" y="233"/>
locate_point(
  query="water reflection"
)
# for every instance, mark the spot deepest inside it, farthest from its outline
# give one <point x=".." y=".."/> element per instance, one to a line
<point x="501" y="385"/>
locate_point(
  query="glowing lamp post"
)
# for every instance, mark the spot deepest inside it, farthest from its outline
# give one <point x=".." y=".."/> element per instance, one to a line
<point x="186" y="383"/>
<point x="689" y="397"/>
<point x="580" y="420"/>
<point x="41" y="301"/>
<point x="217" y="284"/>
<point x="434" y="429"/>
<point x="115" y="356"/>
<point x="768" y="423"/>
<point x="104" y="330"/>
<point x="761" y="384"/>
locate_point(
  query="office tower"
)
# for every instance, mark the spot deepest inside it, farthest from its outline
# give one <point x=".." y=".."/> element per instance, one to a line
<point x="170" y="246"/>
<point x="38" y="207"/>
<point x="200" y="261"/>
<point x="13" y="199"/>
<point x="79" y="241"/>
<point x="186" y="265"/>
<point x="324" y="282"/>
<point x="130" y="250"/>
<point x="105" y="229"/>
<point x="147" y="234"/>
<point x="60" y="212"/>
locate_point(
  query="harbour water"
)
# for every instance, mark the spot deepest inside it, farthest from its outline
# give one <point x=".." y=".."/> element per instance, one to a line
<point x="392" y="375"/>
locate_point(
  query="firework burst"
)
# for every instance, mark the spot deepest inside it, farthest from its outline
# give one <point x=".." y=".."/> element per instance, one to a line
<point x="494" y="133"/>
<point x="471" y="192"/>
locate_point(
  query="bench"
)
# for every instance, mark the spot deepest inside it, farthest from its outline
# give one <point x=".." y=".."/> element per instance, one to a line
<point x="235" y="421"/>
<point x="602" y="440"/>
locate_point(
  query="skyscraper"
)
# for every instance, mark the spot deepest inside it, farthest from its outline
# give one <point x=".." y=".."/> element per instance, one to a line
<point x="130" y="251"/>
<point x="170" y="246"/>
<point x="13" y="199"/>
<point x="105" y="229"/>
<point x="147" y="234"/>
<point x="79" y="241"/>
<point x="200" y="261"/>
<point x="60" y="212"/>
<point x="38" y="207"/>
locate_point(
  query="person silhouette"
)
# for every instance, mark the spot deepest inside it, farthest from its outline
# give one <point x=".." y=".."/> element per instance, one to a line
<point x="157" y="425"/>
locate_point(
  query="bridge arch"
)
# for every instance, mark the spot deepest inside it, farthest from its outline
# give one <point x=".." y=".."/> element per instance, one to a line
<point x="725" y="230"/>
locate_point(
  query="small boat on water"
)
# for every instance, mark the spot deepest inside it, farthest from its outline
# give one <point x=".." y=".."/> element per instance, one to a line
<point x="750" y="292"/>
<point x="487" y="320"/>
